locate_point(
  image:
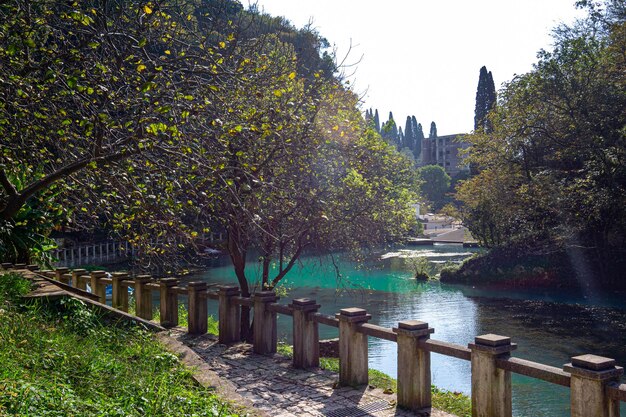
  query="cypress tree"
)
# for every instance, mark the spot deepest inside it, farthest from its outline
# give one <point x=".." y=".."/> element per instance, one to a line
<point x="485" y="100"/>
<point x="377" y="121"/>
<point x="409" y="135"/>
<point x="433" y="130"/>
<point x="418" y="134"/>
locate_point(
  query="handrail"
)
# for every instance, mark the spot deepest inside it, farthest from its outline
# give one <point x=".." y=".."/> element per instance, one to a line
<point x="412" y="337"/>
<point x="446" y="348"/>
<point x="535" y="370"/>
<point x="324" y="319"/>
<point x="617" y="391"/>
<point x="377" y="331"/>
<point x="281" y="309"/>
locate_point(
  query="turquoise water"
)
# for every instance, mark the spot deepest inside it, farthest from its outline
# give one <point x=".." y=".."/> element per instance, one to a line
<point x="549" y="327"/>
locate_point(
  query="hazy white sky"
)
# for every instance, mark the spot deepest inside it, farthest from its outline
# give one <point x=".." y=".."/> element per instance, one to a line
<point x="423" y="57"/>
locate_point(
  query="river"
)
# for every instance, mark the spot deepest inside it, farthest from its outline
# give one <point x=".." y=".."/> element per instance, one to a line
<point x="548" y="326"/>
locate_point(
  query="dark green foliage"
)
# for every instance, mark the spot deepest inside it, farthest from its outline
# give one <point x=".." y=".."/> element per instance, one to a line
<point x="409" y="135"/>
<point x="389" y="131"/>
<point x="418" y="136"/>
<point x="24" y="238"/>
<point x="12" y="287"/>
<point x="435" y="184"/>
<point x="433" y="130"/>
<point x="485" y="100"/>
<point x="552" y="166"/>
<point x="377" y="121"/>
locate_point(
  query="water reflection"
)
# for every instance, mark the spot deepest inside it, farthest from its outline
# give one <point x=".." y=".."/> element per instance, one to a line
<point x="545" y="331"/>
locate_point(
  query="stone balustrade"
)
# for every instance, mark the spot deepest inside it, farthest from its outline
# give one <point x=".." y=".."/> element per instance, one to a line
<point x="593" y="380"/>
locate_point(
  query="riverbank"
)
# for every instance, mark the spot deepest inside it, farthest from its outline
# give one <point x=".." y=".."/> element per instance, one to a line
<point x="61" y="358"/>
<point x="544" y="266"/>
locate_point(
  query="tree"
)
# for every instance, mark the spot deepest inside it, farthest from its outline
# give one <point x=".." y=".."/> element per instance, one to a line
<point x="389" y="131"/>
<point x="552" y="164"/>
<point x="485" y="100"/>
<point x="435" y="183"/>
<point x="299" y="172"/>
<point x="409" y="136"/>
<point x="419" y="137"/>
<point x="433" y="130"/>
<point x="96" y="96"/>
<point x="377" y="121"/>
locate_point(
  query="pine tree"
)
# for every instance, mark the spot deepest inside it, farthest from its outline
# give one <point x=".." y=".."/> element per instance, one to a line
<point x="433" y="130"/>
<point x="485" y="100"/>
<point x="377" y="121"/>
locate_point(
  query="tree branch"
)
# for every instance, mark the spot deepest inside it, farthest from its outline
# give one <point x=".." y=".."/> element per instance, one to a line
<point x="6" y="184"/>
<point x="17" y="200"/>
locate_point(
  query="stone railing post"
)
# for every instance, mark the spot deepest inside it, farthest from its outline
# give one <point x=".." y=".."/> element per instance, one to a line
<point x="119" y="296"/>
<point x="83" y="280"/>
<point x="229" y="315"/>
<point x="352" y="347"/>
<point x="143" y="297"/>
<point x="491" y="387"/>
<point x="198" y="314"/>
<point x="7" y="265"/>
<point x="306" y="339"/>
<point x="413" y="365"/>
<point x="588" y="394"/>
<point x="265" y="337"/>
<point x="169" y="302"/>
<point x="76" y="282"/>
<point x="97" y="288"/>
<point x="58" y="273"/>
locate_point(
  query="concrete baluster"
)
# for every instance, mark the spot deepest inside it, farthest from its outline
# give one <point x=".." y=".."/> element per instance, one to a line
<point x="352" y="347"/>
<point x="97" y="288"/>
<point x="491" y="387"/>
<point x="169" y="302"/>
<point x="58" y="272"/>
<point x="265" y="336"/>
<point x="76" y="282"/>
<point x="198" y="314"/>
<point x="143" y="297"/>
<point x="119" y="293"/>
<point x="66" y="278"/>
<point x="414" y="375"/>
<point x="306" y="340"/>
<point x="588" y="395"/>
<point x="229" y="315"/>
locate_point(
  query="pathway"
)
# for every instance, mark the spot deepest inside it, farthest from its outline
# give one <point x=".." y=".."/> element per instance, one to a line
<point x="270" y="384"/>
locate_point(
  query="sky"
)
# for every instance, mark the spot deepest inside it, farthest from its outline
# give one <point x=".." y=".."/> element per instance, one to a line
<point x="423" y="57"/>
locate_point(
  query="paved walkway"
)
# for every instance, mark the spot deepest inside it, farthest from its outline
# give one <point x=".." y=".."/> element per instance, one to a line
<point x="270" y="384"/>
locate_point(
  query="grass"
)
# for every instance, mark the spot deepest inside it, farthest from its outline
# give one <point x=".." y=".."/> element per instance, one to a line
<point x="60" y="358"/>
<point x="451" y="402"/>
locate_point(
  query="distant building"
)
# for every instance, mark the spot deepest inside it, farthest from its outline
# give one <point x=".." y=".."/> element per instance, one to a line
<point x="444" y="151"/>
